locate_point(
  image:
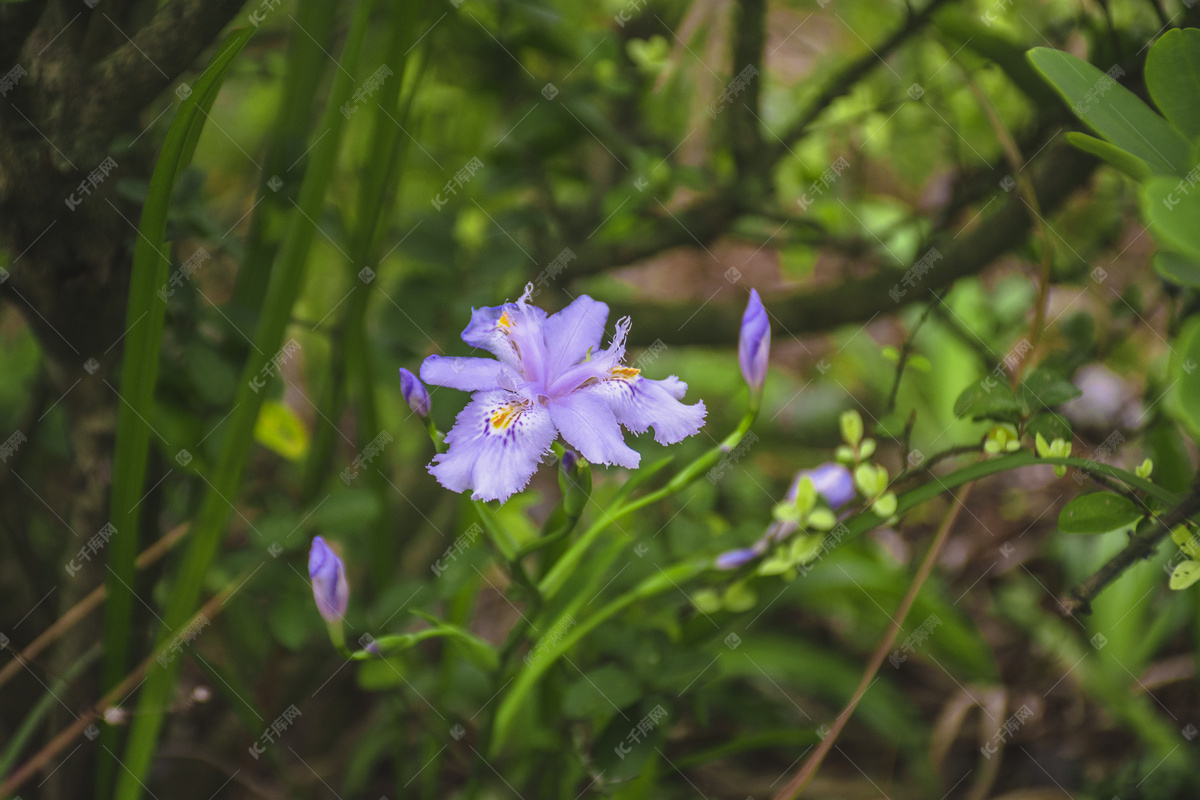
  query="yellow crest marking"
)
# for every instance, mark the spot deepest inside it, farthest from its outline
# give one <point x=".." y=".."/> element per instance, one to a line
<point x="504" y="416"/>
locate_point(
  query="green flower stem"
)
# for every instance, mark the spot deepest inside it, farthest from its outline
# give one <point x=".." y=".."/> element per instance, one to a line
<point x="665" y="580"/>
<point x="501" y="538"/>
<point x="557" y="576"/>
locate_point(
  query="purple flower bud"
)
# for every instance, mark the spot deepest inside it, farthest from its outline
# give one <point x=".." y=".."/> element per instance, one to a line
<point x="754" y="343"/>
<point x="732" y="559"/>
<point x="328" y="574"/>
<point x="415" y="393"/>
<point x="569" y="459"/>
<point x="832" y="481"/>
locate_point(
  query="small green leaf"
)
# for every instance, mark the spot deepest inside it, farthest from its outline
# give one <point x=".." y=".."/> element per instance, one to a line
<point x="990" y="399"/>
<point x="805" y="548"/>
<point x="1173" y="78"/>
<point x="1180" y="270"/>
<point x="1173" y="211"/>
<point x="852" y="427"/>
<point x="1186" y="366"/>
<point x="1098" y="512"/>
<point x="279" y="429"/>
<point x="1123" y="160"/>
<point x="1051" y="426"/>
<point x="707" y="601"/>
<point x="1046" y="388"/>
<point x="1186" y="541"/>
<point x="1185" y="575"/>
<point x="739" y="598"/>
<point x="1114" y="112"/>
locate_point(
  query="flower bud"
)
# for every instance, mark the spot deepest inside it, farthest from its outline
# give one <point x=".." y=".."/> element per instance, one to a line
<point x="732" y="559"/>
<point x="754" y="343"/>
<point x="328" y="574"/>
<point x="415" y="393"/>
<point x="575" y="482"/>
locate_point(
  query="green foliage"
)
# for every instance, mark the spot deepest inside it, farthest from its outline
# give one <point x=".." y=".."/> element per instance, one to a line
<point x="1098" y="512"/>
<point x="1173" y="79"/>
<point x="1118" y="115"/>
<point x="1186" y="371"/>
<point x="514" y="649"/>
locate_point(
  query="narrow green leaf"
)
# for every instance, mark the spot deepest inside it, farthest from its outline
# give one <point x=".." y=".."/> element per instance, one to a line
<point x="286" y="281"/>
<point x="1173" y="78"/>
<point x="1123" y="160"/>
<point x="1114" y="112"/>
<point x="1098" y="512"/>
<point x="144" y="321"/>
<point x="548" y="654"/>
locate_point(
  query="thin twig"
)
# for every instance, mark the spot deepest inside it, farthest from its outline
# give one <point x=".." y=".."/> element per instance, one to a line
<point x="810" y="767"/>
<point x="115" y="695"/>
<point x="1029" y="194"/>
<point x="1079" y="599"/>
<point x="85" y="606"/>
<point x="907" y="348"/>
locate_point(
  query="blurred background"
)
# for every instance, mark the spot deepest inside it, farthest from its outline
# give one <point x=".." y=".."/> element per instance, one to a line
<point x="317" y="193"/>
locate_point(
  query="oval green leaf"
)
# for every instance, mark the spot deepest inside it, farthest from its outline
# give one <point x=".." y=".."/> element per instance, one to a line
<point x="1186" y="366"/>
<point x="1098" y="512"/>
<point x="1185" y="575"/>
<point x="1177" y="269"/>
<point x="1114" y="112"/>
<point x="1173" y="210"/>
<point x="1173" y="78"/>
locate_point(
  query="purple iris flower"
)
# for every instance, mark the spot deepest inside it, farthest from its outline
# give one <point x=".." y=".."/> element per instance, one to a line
<point x="415" y="393"/>
<point x="754" y="343"/>
<point x="549" y="378"/>
<point x="330" y="589"/>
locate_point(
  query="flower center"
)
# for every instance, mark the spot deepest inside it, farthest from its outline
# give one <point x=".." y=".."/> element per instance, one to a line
<point x="503" y="417"/>
<point x="624" y="373"/>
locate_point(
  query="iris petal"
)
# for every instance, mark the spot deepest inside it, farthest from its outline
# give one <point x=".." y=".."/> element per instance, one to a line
<point x="588" y="424"/>
<point x="465" y="374"/>
<point x="495" y="446"/>
<point x="572" y="332"/>
<point x="640" y="403"/>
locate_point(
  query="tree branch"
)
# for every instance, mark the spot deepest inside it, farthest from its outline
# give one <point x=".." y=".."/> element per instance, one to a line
<point x="1063" y="170"/>
<point x="140" y="69"/>
<point x="1079" y="599"/>
<point x="852" y="74"/>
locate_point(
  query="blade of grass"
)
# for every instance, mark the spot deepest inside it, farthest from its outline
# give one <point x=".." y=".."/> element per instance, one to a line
<point x="527" y="678"/>
<point x="286" y="280"/>
<point x="144" y="325"/>
<point x="378" y="191"/>
<point x="307" y="62"/>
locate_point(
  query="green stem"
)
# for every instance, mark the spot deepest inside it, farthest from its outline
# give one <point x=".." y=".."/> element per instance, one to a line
<point x="550" y="585"/>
